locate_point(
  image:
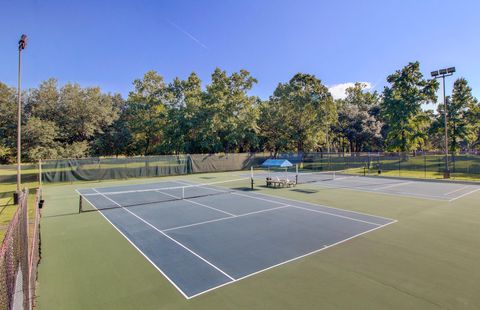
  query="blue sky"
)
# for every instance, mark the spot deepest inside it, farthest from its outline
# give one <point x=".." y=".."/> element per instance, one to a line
<point x="111" y="43"/>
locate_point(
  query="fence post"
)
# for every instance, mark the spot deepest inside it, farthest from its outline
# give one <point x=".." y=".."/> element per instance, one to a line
<point x="425" y="164"/>
<point x="399" y="161"/>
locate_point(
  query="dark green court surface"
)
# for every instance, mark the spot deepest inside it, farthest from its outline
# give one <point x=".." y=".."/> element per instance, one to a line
<point x="426" y="260"/>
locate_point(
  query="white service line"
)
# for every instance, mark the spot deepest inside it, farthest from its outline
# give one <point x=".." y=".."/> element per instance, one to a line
<point x="456" y="190"/>
<point x="197" y="203"/>
<point x="391" y="185"/>
<point x="463" y="195"/>
<point x="227" y="218"/>
<point x="172" y="239"/>
<point x="337" y="215"/>
<point x="343" y="178"/>
<point x="316" y="205"/>
<point x="395" y="194"/>
<point x="318" y="211"/>
<point x="324" y="212"/>
<point x="200" y="185"/>
<point x="140" y="251"/>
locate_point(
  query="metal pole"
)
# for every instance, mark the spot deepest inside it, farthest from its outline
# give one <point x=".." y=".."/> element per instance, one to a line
<point x="40" y="180"/>
<point x="19" y="123"/>
<point x="446" y="174"/>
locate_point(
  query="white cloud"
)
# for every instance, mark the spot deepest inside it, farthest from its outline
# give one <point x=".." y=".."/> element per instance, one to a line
<point x="338" y="90"/>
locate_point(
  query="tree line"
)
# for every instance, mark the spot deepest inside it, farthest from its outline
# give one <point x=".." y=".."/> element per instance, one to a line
<point x="184" y="117"/>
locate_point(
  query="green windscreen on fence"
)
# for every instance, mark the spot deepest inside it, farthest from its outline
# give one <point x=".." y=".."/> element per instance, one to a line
<point x="97" y="169"/>
<point x="413" y="164"/>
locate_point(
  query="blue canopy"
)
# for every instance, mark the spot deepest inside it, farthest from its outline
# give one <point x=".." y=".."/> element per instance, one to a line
<point x="278" y="163"/>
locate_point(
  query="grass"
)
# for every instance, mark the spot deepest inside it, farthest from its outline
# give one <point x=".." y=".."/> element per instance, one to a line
<point x="463" y="167"/>
<point x="428" y="260"/>
<point x="7" y="208"/>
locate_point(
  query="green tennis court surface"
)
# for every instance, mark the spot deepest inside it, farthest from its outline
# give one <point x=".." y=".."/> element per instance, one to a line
<point x="427" y="260"/>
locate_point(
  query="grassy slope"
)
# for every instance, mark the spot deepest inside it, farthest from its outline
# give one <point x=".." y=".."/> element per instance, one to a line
<point x="428" y="260"/>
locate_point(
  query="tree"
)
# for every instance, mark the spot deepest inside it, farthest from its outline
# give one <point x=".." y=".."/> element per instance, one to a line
<point x="78" y="114"/>
<point x="230" y="120"/>
<point x="185" y="102"/>
<point x="40" y="140"/>
<point x="473" y="116"/>
<point x="462" y="130"/>
<point x="274" y="131"/>
<point x="358" y="119"/>
<point x="8" y="124"/>
<point x="115" y="138"/>
<point x="146" y="113"/>
<point x="401" y="106"/>
<point x="308" y="109"/>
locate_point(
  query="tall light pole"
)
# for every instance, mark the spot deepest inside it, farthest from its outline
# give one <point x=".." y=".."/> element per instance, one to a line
<point x="21" y="46"/>
<point x="442" y="73"/>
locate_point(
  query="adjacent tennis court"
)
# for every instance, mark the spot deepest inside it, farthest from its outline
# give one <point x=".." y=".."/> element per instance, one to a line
<point x="424" y="189"/>
<point x="204" y="236"/>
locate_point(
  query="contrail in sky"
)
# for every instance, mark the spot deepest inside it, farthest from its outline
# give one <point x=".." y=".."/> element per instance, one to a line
<point x="188" y="34"/>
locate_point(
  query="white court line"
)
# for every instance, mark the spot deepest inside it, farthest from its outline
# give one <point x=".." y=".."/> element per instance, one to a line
<point x="151" y="189"/>
<point x="140" y="251"/>
<point x="457" y="190"/>
<point x="292" y="259"/>
<point x="463" y="195"/>
<point x="395" y="194"/>
<point x="227" y="218"/>
<point x="392" y="185"/>
<point x="197" y="203"/>
<point x="259" y="271"/>
<point x="323" y="212"/>
<point x="172" y="239"/>
<point x="305" y="202"/>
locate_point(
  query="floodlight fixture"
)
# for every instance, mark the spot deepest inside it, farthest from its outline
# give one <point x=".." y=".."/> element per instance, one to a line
<point x="451" y="70"/>
<point x="442" y="71"/>
<point x="434" y="73"/>
<point x="23" y="42"/>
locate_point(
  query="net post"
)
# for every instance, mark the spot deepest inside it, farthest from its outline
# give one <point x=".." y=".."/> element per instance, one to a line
<point x="251" y="177"/>
<point x="183" y="192"/>
<point x="80" y="204"/>
<point x="40" y="180"/>
<point x="296" y="173"/>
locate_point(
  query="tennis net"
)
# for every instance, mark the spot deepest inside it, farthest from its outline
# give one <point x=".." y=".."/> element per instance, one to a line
<point x="310" y="177"/>
<point x="103" y="198"/>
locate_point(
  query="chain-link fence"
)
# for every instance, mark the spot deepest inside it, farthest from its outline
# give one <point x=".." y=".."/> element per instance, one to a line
<point x="19" y="256"/>
<point x="427" y="165"/>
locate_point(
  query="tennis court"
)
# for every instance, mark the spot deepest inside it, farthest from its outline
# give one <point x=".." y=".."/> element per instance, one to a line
<point x="431" y="189"/>
<point x="205" y="236"/>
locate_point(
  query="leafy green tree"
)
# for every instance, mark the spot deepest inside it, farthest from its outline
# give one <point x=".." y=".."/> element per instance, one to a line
<point x="115" y="138"/>
<point x="185" y="98"/>
<point x="78" y="113"/>
<point x="8" y="124"/>
<point x="39" y="139"/>
<point x="401" y="106"/>
<point x="462" y="130"/>
<point x="229" y="111"/>
<point x="308" y="109"/>
<point x="358" y="119"/>
<point x="461" y="127"/>
<point x="274" y="131"/>
<point x="473" y="116"/>
<point x="146" y="113"/>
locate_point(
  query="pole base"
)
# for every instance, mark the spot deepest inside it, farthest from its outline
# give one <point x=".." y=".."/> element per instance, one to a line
<point x="16" y="196"/>
<point x="446" y="174"/>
